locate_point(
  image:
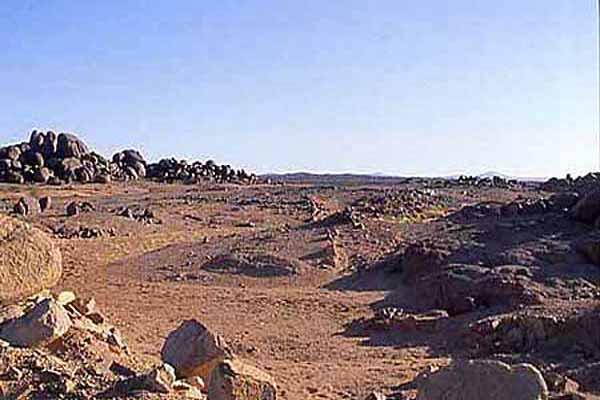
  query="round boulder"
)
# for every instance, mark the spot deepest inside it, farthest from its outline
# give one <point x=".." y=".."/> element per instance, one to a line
<point x="69" y="145"/>
<point x="481" y="379"/>
<point x="29" y="261"/>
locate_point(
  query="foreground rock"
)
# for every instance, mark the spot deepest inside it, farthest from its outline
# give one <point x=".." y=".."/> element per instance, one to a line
<point x="236" y="380"/>
<point x="29" y="261"/>
<point x="44" y="324"/>
<point x="491" y="380"/>
<point x="193" y="350"/>
<point x="54" y="351"/>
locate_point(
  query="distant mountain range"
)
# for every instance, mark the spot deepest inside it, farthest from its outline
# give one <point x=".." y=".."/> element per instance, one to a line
<point x="377" y="177"/>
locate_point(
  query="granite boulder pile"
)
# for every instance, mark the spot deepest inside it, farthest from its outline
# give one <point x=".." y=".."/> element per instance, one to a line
<point x="63" y="158"/>
<point x="172" y="170"/>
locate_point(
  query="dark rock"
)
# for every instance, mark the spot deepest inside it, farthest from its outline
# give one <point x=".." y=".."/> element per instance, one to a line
<point x="33" y="158"/>
<point x="45" y="203"/>
<point x="15" y="177"/>
<point x="27" y="206"/>
<point x="36" y="141"/>
<point x="587" y="209"/>
<point x="5" y="164"/>
<point x="50" y="146"/>
<point x="69" y="145"/>
<point x="564" y="201"/>
<point x="72" y="209"/>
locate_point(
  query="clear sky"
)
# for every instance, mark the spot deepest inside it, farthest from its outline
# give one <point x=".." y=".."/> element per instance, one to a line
<point x="431" y="87"/>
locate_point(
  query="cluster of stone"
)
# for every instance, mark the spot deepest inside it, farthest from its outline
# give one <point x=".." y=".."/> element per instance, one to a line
<point x="172" y="170"/>
<point x="63" y="158"/>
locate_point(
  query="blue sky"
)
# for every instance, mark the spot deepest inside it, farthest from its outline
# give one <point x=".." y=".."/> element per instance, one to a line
<point x="407" y="87"/>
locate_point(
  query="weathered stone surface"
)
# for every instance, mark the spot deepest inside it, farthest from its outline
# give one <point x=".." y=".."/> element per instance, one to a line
<point x="419" y="260"/>
<point x="29" y="261"/>
<point x="194" y="350"/>
<point x="236" y="380"/>
<point x="491" y="380"/>
<point x="43" y="324"/>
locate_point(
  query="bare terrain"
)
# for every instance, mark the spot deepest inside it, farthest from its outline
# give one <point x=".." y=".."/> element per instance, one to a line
<point x="287" y="273"/>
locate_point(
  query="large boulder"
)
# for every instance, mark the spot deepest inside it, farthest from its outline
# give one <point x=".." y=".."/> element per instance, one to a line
<point x="193" y="350"/>
<point x="36" y="141"/>
<point x="235" y="380"/>
<point x="69" y="145"/>
<point x="130" y="163"/>
<point x="50" y="145"/>
<point x="43" y="324"/>
<point x="29" y="261"/>
<point x="480" y="379"/>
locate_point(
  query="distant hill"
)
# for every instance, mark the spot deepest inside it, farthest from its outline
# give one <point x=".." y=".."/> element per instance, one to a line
<point x="313" y="178"/>
<point x="491" y="174"/>
<point x="375" y="178"/>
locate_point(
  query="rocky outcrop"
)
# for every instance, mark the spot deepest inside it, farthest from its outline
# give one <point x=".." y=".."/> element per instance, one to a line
<point x="463" y="288"/>
<point x="421" y="259"/>
<point x="55" y="159"/>
<point x="172" y="170"/>
<point x="29" y="261"/>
